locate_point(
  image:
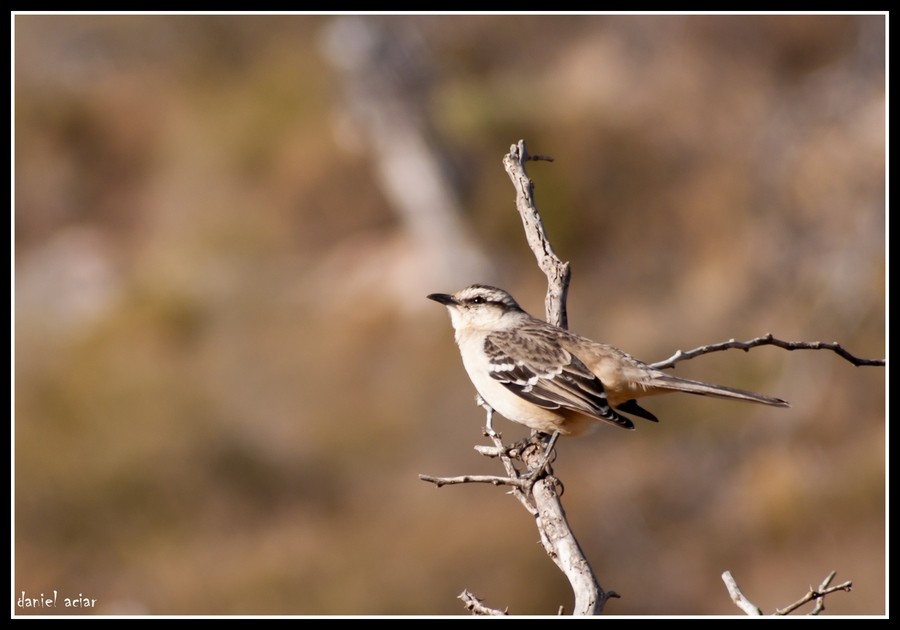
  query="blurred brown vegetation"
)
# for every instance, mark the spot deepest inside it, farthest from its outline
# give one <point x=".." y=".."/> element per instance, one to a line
<point x="218" y="412"/>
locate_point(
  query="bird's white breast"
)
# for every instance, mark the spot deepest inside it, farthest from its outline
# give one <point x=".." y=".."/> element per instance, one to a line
<point x="495" y="394"/>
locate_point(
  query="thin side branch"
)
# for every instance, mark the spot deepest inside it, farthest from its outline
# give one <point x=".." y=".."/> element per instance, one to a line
<point x="817" y="594"/>
<point x="765" y="340"/>
<point x="492" y="479"/>
<point x="820" y="601"/>
<point x="521" y="486"/>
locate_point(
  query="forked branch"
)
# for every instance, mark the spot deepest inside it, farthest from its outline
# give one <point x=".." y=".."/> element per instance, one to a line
<point x="814" y="594"/>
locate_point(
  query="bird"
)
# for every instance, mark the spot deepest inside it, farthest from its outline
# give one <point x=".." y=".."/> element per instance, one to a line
<point x="552" y="380"/>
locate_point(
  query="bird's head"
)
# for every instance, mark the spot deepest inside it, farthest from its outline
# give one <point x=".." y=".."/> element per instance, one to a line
<point x="480" y="307"/>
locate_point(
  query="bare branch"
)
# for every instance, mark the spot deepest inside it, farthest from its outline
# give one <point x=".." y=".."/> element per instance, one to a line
<point x="556" y="536"/>
<point x="557" y="271"/>
<point x="765" y="340"/>
<point x="738" y="597"/>
<point x="521" y="487"/>
<point x="490" y="451"/>
<point x="560" y="543"/>
<point x="474" y="604"/>
<point x="492" y="479"/>
<point x="817" y="594"/>
<point x="540" y="496"/>
<point x="820" y="601"/>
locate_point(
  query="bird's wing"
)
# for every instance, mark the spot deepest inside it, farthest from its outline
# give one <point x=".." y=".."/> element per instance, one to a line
<point x="530" y="364"/>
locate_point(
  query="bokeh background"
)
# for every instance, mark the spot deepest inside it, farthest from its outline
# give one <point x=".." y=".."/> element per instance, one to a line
<point x="227" y="376"/>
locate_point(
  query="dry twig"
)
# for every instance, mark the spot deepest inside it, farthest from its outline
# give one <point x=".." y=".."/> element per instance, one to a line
<point x="765" y="340"/>
<point x="817" y="594"/>
<point x="474" y="604"/>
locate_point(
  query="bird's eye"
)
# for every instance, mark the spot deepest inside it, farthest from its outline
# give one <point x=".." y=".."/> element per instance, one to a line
<point x="477" y="300"/>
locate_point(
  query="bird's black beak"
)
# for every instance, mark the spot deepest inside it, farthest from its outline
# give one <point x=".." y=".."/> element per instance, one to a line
<point x="442" y="298"/>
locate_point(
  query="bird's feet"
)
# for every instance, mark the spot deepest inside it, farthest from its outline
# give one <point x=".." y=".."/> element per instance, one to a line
<point x="547" y="458"/>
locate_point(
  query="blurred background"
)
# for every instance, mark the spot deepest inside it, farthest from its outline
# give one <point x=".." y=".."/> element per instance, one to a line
<point x="227" y="376"/>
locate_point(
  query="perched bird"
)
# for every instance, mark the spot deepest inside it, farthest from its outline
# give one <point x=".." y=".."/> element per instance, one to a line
<point x="550" y="379"/>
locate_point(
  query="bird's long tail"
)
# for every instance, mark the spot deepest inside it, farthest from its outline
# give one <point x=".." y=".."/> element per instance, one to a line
<point x="668" y="382"/>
